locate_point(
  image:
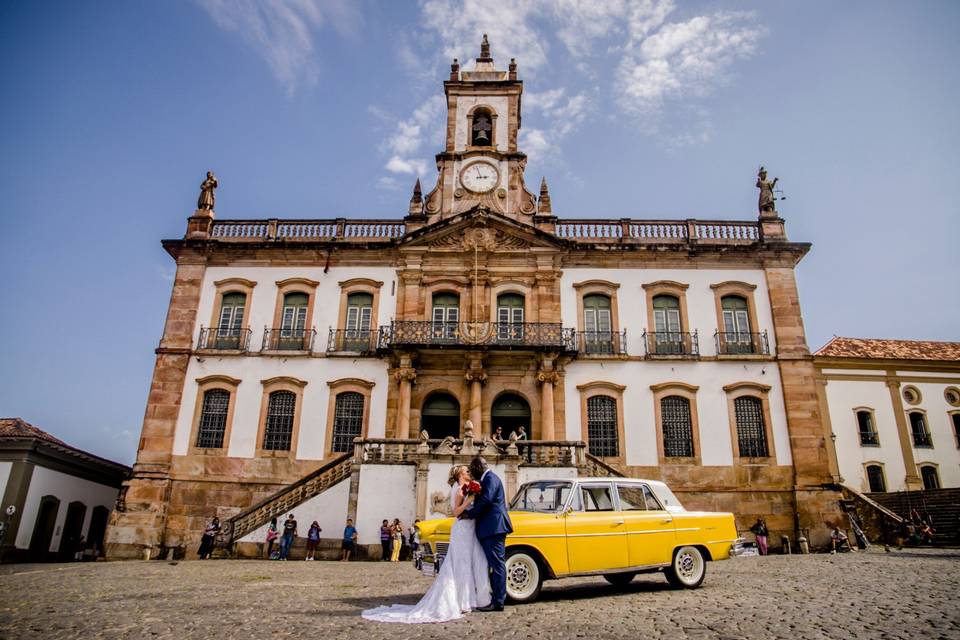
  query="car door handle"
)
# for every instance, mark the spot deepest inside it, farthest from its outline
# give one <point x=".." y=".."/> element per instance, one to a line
<point x="666" y="521"/>
<point x="618" y="523"/>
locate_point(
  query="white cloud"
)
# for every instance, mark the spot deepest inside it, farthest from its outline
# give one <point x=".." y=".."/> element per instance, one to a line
<point x="407" y="138"/>
<point x="388" y="183"/>
<point x="396" y="164"/>
<point x="283" y="31"/>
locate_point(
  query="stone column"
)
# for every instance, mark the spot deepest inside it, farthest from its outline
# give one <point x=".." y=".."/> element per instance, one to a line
<point x="423" y="472"/>
<point x="903" y="432"/>
<point x="476" y="376"/>
<point x="547" y="379"/>
<point x="406" y="375"/>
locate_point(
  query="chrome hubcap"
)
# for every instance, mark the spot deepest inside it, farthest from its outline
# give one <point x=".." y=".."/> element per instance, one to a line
<point x="520" y="576"/>
<point x="688" y="566"/>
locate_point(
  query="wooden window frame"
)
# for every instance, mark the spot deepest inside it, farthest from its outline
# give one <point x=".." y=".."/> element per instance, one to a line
<point x="343" y="385"/>
<point x="926" y="427"/>
<point x="280" y="383"/>
<point x="677" y="290"/>
<point x="606" y="288"/>
<point x="873" y="419"/>
<point x="603" y="388"/>
<point x="204" y="384"/>
<point x="929" y="465"/>
<point x="521" y="289"/>
<point x="746" y="291"/>
<point x="359" y="285"/>
<point x="954" y="430"/>
<point x="446" y="285"/>
<point x="866" y="476"/>
<point x="232" y="285"/>
<point x="295" y="285"/>
<point x="762" y="393"/>
<point x="689" y="392"/>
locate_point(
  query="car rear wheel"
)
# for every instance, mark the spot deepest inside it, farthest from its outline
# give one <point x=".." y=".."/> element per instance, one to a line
<point x="524" y="576"/>
<point x="688" y="568"/>
<point x="620" y="579"/>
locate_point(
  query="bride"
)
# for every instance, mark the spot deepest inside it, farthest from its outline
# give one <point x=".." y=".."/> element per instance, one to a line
<point x="463" y="582"/>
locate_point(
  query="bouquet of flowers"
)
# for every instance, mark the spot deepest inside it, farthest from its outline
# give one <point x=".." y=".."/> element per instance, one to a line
<point x="471" y="488"/>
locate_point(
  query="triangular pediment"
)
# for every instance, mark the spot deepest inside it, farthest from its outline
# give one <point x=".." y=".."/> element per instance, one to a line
<point x="480" y="228"/>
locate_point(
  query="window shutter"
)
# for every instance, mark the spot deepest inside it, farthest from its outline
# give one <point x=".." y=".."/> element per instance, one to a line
<point x="353" y="314"/>
<point x="366" y="314"/>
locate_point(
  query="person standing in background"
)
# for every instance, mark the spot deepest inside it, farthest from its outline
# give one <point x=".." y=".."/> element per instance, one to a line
<point x="349" y="540"/>
<point x="386" y="540"/>
<point x="396" y="534"/>
<point x="289" y="534"/>
<point x="272" y="535"/>
<point x="313" y="537"/>
<point x="759" y="530"/>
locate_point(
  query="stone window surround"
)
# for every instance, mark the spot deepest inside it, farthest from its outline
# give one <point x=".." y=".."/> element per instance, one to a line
<point x="358" y="285"/>
<point x="280" y="383"/>
<point x="468" y="144"/>
<point x="744" y="290"/>
<point x="947" y="392"/>
<point x="909" y="389"/>
<point x="517" y="287"/>
<point x="926" y="427"/>
<point x="677" y="290"/>
<point x="364" y="388"/>
<point x="452" y="285"/>
<point x="295" y="285"/>
<point x="873" y="420"/>
<point x="761" y="392"/>
<point x="232" y="285"/>
<point x="602" y="388"/>
<point x="883" y="474"/>
<point x="953" y="430"/>
<point x="689" y="392"/>
<point x="204" y="384"/>
<point x="601" y="287"/>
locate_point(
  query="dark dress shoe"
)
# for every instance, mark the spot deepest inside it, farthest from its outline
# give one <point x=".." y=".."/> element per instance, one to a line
<point x="490" y="607"/>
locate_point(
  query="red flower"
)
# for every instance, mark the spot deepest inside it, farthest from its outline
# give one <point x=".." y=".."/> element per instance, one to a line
<point x="471" y="488"/>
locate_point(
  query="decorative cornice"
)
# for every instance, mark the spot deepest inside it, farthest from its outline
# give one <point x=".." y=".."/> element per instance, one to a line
<point x="313" y="284"/>
<point x="674" y="385"/>
<point x="734" y="284"/>
<point x="356" y="382"/>
<point x="747" y="384"/>
<point x="219" y="378"/>
<point x="284" y="380"/>
<point x="596" y="283"/>
<point x="366" y="282"/>
<point x="599" y="384"/>
<point x="665" y="284"/>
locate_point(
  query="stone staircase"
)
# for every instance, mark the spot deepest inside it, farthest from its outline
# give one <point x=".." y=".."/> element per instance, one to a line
<point x="594" y="467"/>
<point x="941" y="507"/>
<point x="331" y="473"/>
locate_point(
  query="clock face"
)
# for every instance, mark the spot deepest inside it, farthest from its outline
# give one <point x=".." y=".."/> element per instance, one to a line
<point x="479" y="176"/>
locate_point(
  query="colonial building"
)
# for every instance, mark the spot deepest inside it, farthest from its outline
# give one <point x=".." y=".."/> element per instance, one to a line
<point x="297" y="351"/>
<point x="893" y="411"/>
<point x="56" y="498"/>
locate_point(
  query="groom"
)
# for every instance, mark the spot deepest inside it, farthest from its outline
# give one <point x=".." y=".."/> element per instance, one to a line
<point x="489" y="510"/>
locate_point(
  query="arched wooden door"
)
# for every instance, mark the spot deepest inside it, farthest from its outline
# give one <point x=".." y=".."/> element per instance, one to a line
<point x="510" y="412"/>
<point x="43" y="528"/>
<point x="440" y="416"/>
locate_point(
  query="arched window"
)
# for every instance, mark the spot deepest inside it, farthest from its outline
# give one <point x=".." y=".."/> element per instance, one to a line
<point x="868" y="433"/>
<point x="875" y="478"/>
<point x="445" y="316"/>
<point x="955" y="418"/>
<point x="736" y="325"/>
<point x="481" y="129"/>
<point x="602" y="432"/>
<point x="232" y="306"/>
<point x="918" y="428"/>
<point x="751" y="430"/>
<point x="666" y="325"/>
<point x="510" y="317"/>
<point x="928" y="473"/>
<point x="597" y="324"/>
<point x="677" y="427"/>
<point x="347" y="421"/>
<point x="213" y="419"/>
<point x="278" y="429"/>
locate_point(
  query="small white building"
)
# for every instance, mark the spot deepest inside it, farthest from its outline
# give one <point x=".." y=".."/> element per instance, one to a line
<point x="57" y="499"/>
<point x="894" y="412"/>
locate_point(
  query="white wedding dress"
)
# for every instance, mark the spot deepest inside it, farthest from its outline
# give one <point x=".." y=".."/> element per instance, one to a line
<point x="462" y="585"/>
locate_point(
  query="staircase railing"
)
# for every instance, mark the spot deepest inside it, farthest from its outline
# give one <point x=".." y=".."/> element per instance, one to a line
<point x="286" y="499"/>
<point x="595" y="467"/>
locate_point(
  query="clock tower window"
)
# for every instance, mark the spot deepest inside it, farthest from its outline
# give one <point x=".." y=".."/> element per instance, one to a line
<point x="481" y="128"/>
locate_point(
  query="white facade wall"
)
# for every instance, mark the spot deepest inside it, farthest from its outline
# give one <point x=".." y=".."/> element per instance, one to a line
<point x="701" y="301"/>
<point x="67" y="489"/>
<point x="845" y="396"/>
<point x="4" y="476"/>
<point x="385" y="491"/>
<point x="329" y="509"/>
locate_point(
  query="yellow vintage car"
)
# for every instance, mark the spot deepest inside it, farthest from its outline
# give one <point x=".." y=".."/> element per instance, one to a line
<point x="614" y="527"/>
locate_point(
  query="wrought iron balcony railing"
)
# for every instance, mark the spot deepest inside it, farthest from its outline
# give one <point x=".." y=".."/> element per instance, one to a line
<point x="288" y="339"/>
<point x="922" y="439"/>
<point x="492" y="334"/>
<point x="602" y="342"/>
<point x="224" y="339"/>
<point x="870" y="438"/>
<point x="671" y="344"/>
<point x="739" y="343"/>
<point x="352" y="341"/>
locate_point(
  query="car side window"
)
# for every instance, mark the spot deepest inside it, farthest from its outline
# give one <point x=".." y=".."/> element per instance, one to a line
<point x="597" y="498"/>
<point x="652" y="503"/>
<point x="632" y="497"/>
<point x="576" y="504"/>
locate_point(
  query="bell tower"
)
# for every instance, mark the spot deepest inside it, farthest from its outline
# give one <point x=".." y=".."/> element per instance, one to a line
<point x="480" y="163"/>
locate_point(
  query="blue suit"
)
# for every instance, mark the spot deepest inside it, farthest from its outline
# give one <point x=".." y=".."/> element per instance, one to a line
<point x="489" y="510"/>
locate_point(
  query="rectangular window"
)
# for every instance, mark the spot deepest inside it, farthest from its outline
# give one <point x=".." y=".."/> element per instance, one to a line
<point x="868" y="435"/>
<point x="631" y="497"/>
<point x="597" y="498"/>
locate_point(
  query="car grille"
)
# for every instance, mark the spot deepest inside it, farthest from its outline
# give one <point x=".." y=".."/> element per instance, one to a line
<point x="442" y="548"/>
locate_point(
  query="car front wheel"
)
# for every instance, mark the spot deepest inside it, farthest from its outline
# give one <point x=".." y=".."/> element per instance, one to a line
<point x="688" y="568"/>
<point x="524" y="576"/>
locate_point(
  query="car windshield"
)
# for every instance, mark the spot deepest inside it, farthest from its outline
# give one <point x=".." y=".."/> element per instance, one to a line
<point x="669" y="500"/>
<point x="546" y="496"/>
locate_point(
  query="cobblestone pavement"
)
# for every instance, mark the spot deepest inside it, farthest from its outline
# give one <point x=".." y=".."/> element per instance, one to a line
<point x="906" y="594"/>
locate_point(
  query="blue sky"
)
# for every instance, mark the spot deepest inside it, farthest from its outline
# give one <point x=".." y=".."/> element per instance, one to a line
<point x="113" y="111"/>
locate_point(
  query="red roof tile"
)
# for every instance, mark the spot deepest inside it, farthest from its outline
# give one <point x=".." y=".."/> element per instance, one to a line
<point x="876" y="348"/>
<point x="19" y="428"/>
